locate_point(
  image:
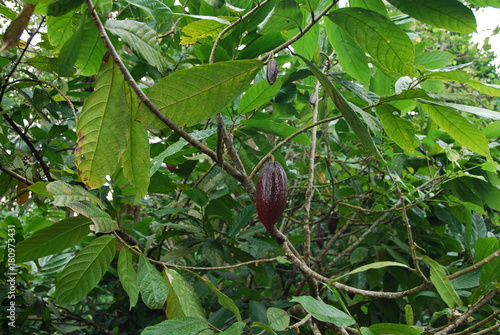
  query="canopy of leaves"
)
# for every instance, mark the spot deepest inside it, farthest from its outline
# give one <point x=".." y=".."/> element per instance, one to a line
<point x="133" y="133"/>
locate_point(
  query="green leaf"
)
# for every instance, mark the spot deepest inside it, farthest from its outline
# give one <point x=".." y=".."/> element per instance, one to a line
<point x="258" y="95"/>
<point x="157" y="9"/>
<point x="490" y="89"/>
<point x="324" y="312"/>
<point x="85" y="270"/>
<point x="434" y="59"/>
<point x="61" y="7"/>
<point x="153" y="287"/>
<point x="141" y="39"/>
<point x="485" y="3"/>
<point x="223" y="299"/>
<point x="60" y="29"/>
<point x="409" y="316"/>
<point x="345" y="108"/>
<point x="405" y="95"/>
<point x="286" y="16"/>
<point x="484" y="247"/>
<point x="278" y="318"/>
<point x="182" y="299"/>
<point x="136" y="158"/>
<point x="448" y="14"/>
<point x="376" y="265"/>
<point x="235" y="329"/>
<point x="401" y="131"/>
<point x="350" y="56"/>
<point x="459" y="128"/>
<point x="374" y="5"/>
<point x="64" y="193"/>
<point x="279" y="129"/>
<point x="102" y="127"/>
<point x="379" y="37"/>
<point x="128" y="276"/>
<point x="201" y="29"/>
<point x="103" y="223"/>
<point x="263" y="326"/>
<point x="191" y="96"/>
<point x="396" y="329"/>
<point x="180" y="326"/>
<point x="442" y="283"/>
<point x="53" y="239"/>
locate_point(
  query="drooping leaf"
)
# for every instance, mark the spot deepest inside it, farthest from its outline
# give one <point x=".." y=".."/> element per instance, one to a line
<point x="223" y="299"/>
<point x="235" y="329"/>
<point x="191" y="96"/>
<point x="60" y="29"/>
<point x="375" y="5"/>
<point x="376" y="265"/>
<point x="64" y="193"/>
<point x="128" y="276"/>
<point x="324" y="312"/>
<point x="398" y="129"/>
<point x="180" y="326"/>
<point x="442" y="283"/>
<point x="286" y="16"/>
<point x="141" y="39"/>
<point x="258" y="95"/>
<point x="61" y="7"/>
<point x="278" y="318"/>
<point x="103" y="223"/>
<point x="156" y="8"/>
<point x="201" y="29"/>
<point x="434" y="59"/>
<point x="154" y="290"/>
<point x="350" y="56"/>
<point x="182" y="300"/>
<point x="102" y="127"/>
<point x="490" y="89"/>
<point x="379" y="37"/>
<point x="459" y="128"/>
<point x="53" y="239"/>
<point x="447" y="14"/>
<point x="345" y="108"/>
<point x="484" y="247"/>
<point x="85" y="270"/>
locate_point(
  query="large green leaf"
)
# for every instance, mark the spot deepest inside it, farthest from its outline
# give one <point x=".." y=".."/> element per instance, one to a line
<point x="447" y="14"/>
<point x="324" y="312"/>
<point x="61" y="7"/>
<point x="278" y="318"/>
<point x="156" y="8"/>
<point x="350" y="56"/>
<point x="64" y="193"/>
<point x="286" y="16"/>
<point x="128" y="276"/>
<point x="201" y="29"/>
<point x="182" y="299"/>
<point x="490" y="89"/>
<point x="141" y="39"/>
<point x="485" y="3"/>
<point x="153" y="287"/>
<point x="258" y="95"/>
<point x="379" y="37"/>
<point x="459" y="128"/>
<point x="53" y="239"/>
<point x="442" y="283"/>
<point x="103" y="223"/>
<point x="84" y="271"/>
<point x="345" y="108"/>
<point x="84" y="49"/>
<point x="191" y="96"/>
<point x="102" y="127"/>
<point x="180" y="326"/>
<point x="434" y="59"/>
<point x="401" y="131"/>
<point x="60" y="29"/>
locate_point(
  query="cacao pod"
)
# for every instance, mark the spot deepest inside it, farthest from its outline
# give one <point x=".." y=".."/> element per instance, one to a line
<point x="271" y="194"/>
<point x="272" y="71"/>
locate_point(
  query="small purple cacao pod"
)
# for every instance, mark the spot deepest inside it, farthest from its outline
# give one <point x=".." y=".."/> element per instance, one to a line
<point x="272" y="71"/>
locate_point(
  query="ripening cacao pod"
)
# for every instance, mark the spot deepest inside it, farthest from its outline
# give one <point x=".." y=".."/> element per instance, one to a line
<point x="271" y="194"/>
<point x="272" y="71"/>
<point x="333" y="222"/>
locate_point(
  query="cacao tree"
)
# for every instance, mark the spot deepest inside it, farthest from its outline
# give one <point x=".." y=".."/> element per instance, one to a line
<point x="134" y="133"/>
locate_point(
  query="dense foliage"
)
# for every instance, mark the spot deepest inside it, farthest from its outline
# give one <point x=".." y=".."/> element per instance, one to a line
<point x="134" y="132"/>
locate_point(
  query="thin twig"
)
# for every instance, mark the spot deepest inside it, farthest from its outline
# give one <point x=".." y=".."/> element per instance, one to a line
<point x="16" y="175"/>
<point x="462" y="318"/>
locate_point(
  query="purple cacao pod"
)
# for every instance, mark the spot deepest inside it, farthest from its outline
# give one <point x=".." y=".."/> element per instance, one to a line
<point x="271" y="194"/>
